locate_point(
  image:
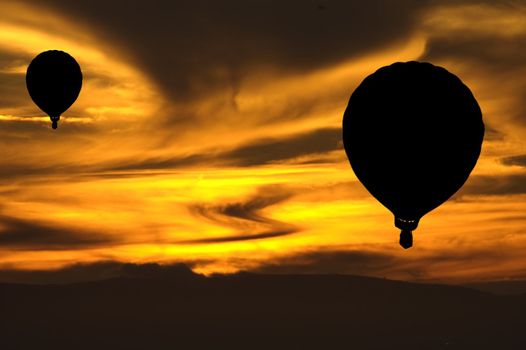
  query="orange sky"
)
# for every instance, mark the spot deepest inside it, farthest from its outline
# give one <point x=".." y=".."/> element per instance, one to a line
<point x="231" y="160"/>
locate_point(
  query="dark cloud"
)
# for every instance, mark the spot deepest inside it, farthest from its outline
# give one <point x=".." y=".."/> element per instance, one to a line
<point x="246" y="218"/>
<point x="494" y="185"/>
<point x="10" y="172"/>
<point x="274" y="150"/>
<point x="492" y="134"/>
<point x="25" y="172"/>
<point x="249" y="209"/>
<point x="379" y="264"/>
<point x="20" y="234"/>
<point x="493" y="52"/>
<point x="13" y="91"/>
<point x="500" y="59"/>
<point x="331" y="262"/>
<point x="519" y="160"/>
<point x="166" y="163"/>
<point x="97" y="271"/>
<point x="25" y="157"/>
<point x="324" y="261"/>
<point x="243" y="237"/>
<point x="257" y="152"/>
<point x="193" y="46"/>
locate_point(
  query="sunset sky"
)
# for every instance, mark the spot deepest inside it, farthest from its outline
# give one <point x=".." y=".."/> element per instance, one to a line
<point x="209" y="132"/>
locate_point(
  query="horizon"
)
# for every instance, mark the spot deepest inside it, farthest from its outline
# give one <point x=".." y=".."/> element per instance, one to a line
<point x="106" y="271"/>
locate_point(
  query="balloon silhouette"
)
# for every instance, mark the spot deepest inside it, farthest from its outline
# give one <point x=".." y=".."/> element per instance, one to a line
<point x="413" y="133"/>
<point x="54" y="80"/>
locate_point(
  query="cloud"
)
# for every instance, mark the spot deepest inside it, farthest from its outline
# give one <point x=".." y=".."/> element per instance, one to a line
<point x="98" y="271"/>
<point x="257" y="152"/>
<point x="331" y="262"/>
<point x="13" y="93"/>
<point x="427" y="266"/>
<point x="241" y="238"/>
<point x="244" y="82"/>
<point x="20" y="170"/>
<point x="246" y="217"/>
<point x="272" y="150"/>
<point x="194" y="50"/>
<point x="519" y="160"/>
<point x="494" y="185"/>
<point x="484" y="41"/>
<point x="492" y="134"/>
<point x="164" y="163"/>
<point x="20" y="234"/>
<point x="194" y="47"/>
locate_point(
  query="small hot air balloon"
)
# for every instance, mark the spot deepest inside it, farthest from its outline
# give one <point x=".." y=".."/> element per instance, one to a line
<point x="413" y="133"/>
<point x="54" y="80"/>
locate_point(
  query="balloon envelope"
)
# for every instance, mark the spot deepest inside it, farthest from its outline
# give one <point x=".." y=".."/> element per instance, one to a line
<point x="413" y="133"/>
<point x="54" y="80"/>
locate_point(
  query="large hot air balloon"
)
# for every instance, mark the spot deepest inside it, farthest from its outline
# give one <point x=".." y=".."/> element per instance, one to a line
<point x="413" y="133"/>
<point x="54" y="80"/>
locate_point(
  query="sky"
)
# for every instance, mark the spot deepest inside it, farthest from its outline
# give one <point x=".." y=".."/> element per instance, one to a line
<point x="209" y="133"/>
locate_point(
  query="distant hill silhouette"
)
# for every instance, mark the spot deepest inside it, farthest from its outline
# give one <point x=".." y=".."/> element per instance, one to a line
<point x="500" y="287"/>
<point x="152" y="307"/>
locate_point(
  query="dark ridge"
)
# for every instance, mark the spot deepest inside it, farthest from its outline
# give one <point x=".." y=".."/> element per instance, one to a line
<point x="500" y="287"/>
<point x="168" y="310"/>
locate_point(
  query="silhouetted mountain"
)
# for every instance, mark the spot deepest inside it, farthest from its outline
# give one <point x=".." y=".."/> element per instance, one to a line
<point x="171" y="308"/>
<point x="501" y="287"/>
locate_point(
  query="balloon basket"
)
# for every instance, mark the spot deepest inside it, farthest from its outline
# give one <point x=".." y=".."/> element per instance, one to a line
<point x="406" y="239"/>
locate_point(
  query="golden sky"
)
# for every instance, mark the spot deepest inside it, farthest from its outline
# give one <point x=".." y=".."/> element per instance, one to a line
<point x="208" y="132"/>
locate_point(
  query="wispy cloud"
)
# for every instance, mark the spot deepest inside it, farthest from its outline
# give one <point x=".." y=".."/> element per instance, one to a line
<point x="257" y="152"/>
<point x="20" y="234"/>
<point x="519" y="160"/>
<point x="247" y="217"/>
<point x="496" y="185"/>
<point x="211" y="132"/>
<point x="432" y="266"/>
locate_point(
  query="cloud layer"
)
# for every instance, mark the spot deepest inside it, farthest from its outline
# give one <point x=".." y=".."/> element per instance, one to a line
<point x="209" y="133"/>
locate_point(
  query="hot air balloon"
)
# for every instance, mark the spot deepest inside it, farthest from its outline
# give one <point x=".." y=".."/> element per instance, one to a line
<point x="413" y="133"/>
<point x="54" y="80"/>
